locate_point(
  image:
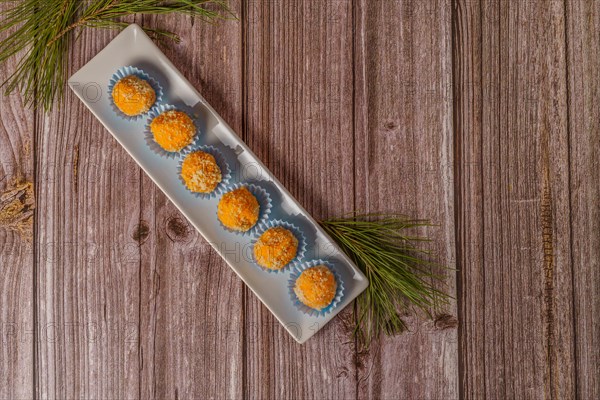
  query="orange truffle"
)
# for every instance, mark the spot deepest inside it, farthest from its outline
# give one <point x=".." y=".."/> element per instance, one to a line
<point x="173" y="130"/>
<point x="133" y="95"/>
<point x="315" y="287"/>
<point x="238" y="210"/>
<point x="200" y="172"/>
<point x="275" y="248"/>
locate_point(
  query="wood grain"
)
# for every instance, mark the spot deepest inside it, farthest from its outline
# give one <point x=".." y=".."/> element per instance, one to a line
<point x="17" y="203"/>
<point x="512" y="184"/>
<point x="191" y="318"/>
<point x="467" y="34"/>
<point x="299" y="122"/>
<point x="403" y="152"/>
<point x="480" y="115"/>
<point x="88" y="279"/>
<point x="583" y="46"/>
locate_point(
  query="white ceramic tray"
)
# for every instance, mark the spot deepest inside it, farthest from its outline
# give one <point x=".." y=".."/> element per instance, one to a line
<point x="133" y="47"/>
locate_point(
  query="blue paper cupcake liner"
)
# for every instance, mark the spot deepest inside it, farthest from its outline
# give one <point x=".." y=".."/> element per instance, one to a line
<point x="264" y="201"/>
<point x="225" y="170"/>
<point x="302" y="244"/>
<point x="149" y="136"/>
<point x="126" y="71"/>
<point x="339" y="292"/>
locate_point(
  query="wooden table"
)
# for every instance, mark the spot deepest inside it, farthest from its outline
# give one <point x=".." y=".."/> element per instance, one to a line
<point x="482" y="116"/>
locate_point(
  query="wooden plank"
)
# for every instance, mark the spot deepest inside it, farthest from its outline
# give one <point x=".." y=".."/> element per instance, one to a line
<point x="512" y="184"/>
<point x="468" y="194"/>
<point x="299" y="122"/>
<point x="191" y="332"/>
<point x="583" y="28"/>
<point x="88" y="278"/>
<point x="17" y="204"/>
<point x="403" y="150"/>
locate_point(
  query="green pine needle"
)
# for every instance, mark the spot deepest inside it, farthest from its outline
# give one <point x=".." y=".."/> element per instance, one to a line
<point x="41" y="32"/>
<point x="398" y="272"/>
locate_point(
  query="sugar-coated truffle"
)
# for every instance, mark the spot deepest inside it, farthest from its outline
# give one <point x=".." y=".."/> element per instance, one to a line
<point x="133" y="95"/>
<point x="173" y="130"/>
<point x="200" y="172"/>
<point x="315" y="287"/>
<point x="275" y="248"/>
<point x="238" y="209"/>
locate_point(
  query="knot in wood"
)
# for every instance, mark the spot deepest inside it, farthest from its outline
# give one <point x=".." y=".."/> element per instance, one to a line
<point x="178" y="230"/>
<point x="141" y="232"/>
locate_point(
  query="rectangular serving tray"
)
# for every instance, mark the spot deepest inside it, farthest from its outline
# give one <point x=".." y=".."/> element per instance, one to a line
<point x="133" y="47"/>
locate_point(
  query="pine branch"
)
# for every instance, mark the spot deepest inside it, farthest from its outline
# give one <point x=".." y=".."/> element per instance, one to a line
<point x="42" y="31"/>
<point x="398" y="272"/>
